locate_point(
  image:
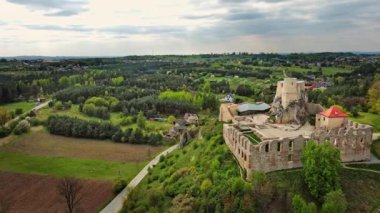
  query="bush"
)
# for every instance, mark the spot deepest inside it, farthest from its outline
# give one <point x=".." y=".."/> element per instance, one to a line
<point x="4" y="132"/>
<point x="22" y="127"/>
<point x="13" y="124"/>
<point x="118" y="185"/>
<point x="334" y="202"/>
<point x="18" y="111"/>
<point x="34" y="122"/>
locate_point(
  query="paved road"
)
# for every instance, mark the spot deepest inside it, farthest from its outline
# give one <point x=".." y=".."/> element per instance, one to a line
<point x="117" y="203"/>
<point x="38" y="107"/>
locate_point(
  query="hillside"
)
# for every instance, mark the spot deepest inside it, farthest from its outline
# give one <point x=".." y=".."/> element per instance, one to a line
<point x="204" y="177"/>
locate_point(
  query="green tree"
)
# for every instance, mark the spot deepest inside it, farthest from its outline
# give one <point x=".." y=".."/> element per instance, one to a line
<point x="171" y="119"/>
<point x="5" y="116"/>
<point x="334" y="202"/>
<point x="374" y="97"/>
<point x="321" y="167"/>
<point x="117" y="81"/>
<point x="141" y="121"/>
<point x="299" y="205"/>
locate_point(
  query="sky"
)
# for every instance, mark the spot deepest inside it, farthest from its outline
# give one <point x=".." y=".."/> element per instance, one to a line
<point x="145" y="27"/>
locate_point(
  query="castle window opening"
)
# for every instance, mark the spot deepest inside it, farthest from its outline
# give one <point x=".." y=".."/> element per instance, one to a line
<point x="278" y="147"/>
<point x="290" y="157"/>
<point x="290" y="145"/>
<point x="266" y="147"/>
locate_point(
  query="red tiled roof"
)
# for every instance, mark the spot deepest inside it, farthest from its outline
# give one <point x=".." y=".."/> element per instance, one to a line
<point x="333" y="112"/>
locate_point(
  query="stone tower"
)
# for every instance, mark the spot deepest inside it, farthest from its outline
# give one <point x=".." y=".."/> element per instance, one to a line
<point x="289" y="104"/>
<point x="290" y="90"/>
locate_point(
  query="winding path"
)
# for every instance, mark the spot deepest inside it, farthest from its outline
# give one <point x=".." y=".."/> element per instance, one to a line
<point x="38" y="107"/>
<point x="117" y="203"/>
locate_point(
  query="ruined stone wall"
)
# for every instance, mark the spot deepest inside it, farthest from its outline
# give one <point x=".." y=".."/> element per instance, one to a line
<point x="354" y="141"/>
<point x="227" y="111"/>
<point x="278" y="154"/>
<point x="240" y="147"/>
<point x="269" y="155"/>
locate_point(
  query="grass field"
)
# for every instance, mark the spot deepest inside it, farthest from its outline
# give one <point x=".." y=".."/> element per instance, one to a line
<point x="39" y="142"/>
<point x="39" y="152"/>
<point x="369" y="118"/>
<point x="25" y="106"/>
<point x="64" y="167"/>
<point x="115" y="118"/>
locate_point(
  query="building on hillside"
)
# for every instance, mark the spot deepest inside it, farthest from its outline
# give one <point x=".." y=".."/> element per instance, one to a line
<point x="331" y="118"/>
<point x="259" y="144"/>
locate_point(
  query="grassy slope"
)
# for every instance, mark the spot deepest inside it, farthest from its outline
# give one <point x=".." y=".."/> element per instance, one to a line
<point x="25" y="106"/>
<point x="63" y="167"/>
<point x="183" y="171"/>
<point x="369" y="118"/>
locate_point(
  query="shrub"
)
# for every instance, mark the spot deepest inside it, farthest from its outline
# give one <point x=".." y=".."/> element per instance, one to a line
<point x="18" y="111"/>
<point x="22" y="127"/>
<point x="301" y="206"/>
<point x="4" y="132"/>
<point x="34" y="122"/>
<point x="118" y="185"/>
<point x="334" y="202"/>
<point x="13" y="124"/>
<point x="32" y="114"/>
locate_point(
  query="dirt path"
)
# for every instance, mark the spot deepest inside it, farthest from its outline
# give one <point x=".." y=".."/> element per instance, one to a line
<point x="38" y="107"/>
<point x="117" y="203"/>
<point x="360" y="169"/>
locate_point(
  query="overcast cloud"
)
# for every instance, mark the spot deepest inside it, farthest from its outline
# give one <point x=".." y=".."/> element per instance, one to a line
<point x="125" y="27"/>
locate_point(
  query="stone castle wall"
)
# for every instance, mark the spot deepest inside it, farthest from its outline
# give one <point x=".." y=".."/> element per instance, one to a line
<point x="267" y="156"/>
<point x="353" y="141"/>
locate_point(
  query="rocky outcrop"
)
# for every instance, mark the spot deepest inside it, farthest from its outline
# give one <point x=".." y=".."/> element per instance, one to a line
<point x="295" y="112"/>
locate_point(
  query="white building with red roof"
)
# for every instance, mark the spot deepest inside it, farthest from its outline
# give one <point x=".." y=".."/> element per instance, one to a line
<point x="331" y="118"/>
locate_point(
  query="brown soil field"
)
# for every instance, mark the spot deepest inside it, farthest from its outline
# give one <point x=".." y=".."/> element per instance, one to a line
<point x="40" y="142"/>
<point x="35" y="193"/>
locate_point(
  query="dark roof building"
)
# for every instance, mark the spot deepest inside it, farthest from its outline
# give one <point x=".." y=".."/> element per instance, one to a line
<point x="252" y="108"/>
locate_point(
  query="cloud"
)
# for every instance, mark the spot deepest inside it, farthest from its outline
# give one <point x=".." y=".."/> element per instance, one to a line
<point x="235" y="15"/>
<point x="76" y="28"/>
<point x="54" y="7"/>
<point x="195" y="17"/>
<point x="117" y="30"/>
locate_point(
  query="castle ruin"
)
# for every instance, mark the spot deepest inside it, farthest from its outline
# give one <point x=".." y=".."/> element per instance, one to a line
<point x="260" y="144"/>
